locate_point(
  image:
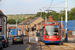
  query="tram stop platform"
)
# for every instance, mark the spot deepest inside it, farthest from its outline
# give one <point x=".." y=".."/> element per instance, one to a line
<point x="71" y="42"/>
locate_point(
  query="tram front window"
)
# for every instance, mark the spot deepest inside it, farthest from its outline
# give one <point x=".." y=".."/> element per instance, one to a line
<point x="52" y="30"/>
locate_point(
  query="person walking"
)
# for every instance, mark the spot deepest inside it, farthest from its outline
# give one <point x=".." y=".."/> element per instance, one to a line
<point x="38" y="33"/>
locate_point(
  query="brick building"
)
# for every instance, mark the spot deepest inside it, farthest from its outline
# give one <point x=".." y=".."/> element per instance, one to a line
<point x="3" y="24"/>
<point x="28" y="24"/>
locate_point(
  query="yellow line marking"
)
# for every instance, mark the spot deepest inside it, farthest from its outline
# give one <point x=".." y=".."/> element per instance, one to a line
<point x="69" y="45"/>
<point x="28" y="46"/>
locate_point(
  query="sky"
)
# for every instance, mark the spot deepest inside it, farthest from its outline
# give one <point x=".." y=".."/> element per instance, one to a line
<point x="32" y="6"/>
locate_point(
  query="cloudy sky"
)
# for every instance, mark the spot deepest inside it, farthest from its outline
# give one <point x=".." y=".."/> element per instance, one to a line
<point x="32" y="6"/>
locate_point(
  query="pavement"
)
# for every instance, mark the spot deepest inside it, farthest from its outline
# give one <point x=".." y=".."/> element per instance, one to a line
<point x="70" y="44"/>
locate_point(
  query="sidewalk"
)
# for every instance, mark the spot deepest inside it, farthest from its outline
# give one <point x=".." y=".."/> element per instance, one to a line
<point x="70" y="42"/>
<point x="73" y="44"/>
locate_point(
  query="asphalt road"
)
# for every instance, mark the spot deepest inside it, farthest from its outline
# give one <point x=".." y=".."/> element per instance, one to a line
<point x="36" y="46"/>
<point x="17" y="46"/>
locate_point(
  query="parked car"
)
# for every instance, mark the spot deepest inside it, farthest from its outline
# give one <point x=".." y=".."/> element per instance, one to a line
<point x="17" y="39"/>
<point x="1" y="46"/>
<point x="4" y="41"/>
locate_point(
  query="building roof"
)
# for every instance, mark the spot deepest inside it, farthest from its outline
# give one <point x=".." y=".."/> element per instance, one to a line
<point x="42" y="22"/>
<point x="30" y="21"/>
<point x="23" y="22"/>
<point x="1" y="13"/>
<point x="49" y="20"/>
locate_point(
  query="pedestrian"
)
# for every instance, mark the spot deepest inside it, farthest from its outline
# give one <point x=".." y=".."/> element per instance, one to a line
<point x="22" y="35"/>
<point x="38" y="33"/>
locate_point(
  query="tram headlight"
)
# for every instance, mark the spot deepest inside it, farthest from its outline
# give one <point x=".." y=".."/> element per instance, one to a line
<point x="46" y="36"/>
<point x="57" y="37"/>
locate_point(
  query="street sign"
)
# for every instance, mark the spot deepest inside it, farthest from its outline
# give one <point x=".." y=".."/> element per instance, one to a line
<point x="73" y="32"/>
<point x="19" y="29"/>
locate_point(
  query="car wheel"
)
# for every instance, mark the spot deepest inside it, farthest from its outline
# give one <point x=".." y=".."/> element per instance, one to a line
<point x="13" y="43"/>
<point x="5" y="45"/>
<point x="21" y="42"/>
<point x="1" y="48"/>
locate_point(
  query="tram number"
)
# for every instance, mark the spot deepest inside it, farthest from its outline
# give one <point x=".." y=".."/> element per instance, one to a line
<point x="52" y="41"/>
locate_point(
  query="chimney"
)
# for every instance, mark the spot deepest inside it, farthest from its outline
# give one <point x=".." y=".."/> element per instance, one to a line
<point x="50" y="18"/>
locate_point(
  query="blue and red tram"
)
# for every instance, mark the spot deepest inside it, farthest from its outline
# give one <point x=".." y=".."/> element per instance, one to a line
<point x="51" y="32"/>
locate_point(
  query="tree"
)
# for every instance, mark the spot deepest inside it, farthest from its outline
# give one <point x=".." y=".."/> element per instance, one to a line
<point x="57" y="16"/>
<point x="12" y="21"/>
<point x="72" y="14"/>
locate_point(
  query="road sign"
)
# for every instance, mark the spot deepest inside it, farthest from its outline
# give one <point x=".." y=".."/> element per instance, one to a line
<point x="73" y="32"/>
<point x="19" y="29"/>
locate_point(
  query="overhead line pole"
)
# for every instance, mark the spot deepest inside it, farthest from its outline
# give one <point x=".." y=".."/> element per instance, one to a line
<point x="66" y="39"/>
<point x="16" y="26"/>
<point x="22" y="23"/>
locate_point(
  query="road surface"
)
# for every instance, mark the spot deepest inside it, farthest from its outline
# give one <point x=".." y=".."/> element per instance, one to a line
<point x="17" y="46"/>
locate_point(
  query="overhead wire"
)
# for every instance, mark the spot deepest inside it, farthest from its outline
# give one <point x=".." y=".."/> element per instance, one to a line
<point x="58" y="3"/>
<point x="51" y="3"/>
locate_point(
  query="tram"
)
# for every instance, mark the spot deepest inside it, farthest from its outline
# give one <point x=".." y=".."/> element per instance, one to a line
<point x="51" y="32"/>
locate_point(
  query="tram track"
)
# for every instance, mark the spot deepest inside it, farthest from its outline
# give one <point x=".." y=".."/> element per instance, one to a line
<point x="44" y="46"/>
<point x="49" y="47"/>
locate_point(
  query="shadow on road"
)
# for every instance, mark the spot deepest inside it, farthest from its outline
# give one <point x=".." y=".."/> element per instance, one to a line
<point x="51" y="44"/>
